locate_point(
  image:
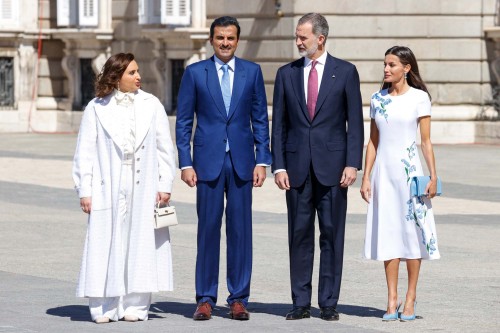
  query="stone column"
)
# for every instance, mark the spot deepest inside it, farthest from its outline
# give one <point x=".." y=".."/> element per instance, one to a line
<point x="105" y="12"/>
<point x="70" y="67"/>
<point x="25" y="85"/>
<point x="99" y="61"/>
<point x="27" y="63"/>
<point x="493" y="53"/>
<point x="199" y="14"/>
<point x="158" y="67"/>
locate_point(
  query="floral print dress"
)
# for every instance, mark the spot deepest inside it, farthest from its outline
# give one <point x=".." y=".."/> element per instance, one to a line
<point x="398" y="226"/>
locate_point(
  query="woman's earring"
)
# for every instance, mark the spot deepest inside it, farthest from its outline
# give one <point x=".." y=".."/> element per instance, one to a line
<point x="406" y="75"/>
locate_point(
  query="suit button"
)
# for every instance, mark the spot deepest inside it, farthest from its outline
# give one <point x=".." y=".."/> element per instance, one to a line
<point x="138" y="171"/>
<point x="137" y="182"/>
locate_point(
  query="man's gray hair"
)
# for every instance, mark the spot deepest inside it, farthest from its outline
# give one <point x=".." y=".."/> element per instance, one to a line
<point x="318" y="22"/>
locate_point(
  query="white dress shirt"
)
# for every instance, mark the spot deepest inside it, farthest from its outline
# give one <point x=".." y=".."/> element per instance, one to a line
<point x="218" y="65"/>
<point x="127" y="122"/>
<point x="320" y="68"/>
<point x="231" y="66"/>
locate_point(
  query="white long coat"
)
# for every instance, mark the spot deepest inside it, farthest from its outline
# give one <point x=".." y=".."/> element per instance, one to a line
<point x="97" y="169"/>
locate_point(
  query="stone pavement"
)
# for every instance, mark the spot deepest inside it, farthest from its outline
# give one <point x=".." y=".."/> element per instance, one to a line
<point x="42" y="231"/>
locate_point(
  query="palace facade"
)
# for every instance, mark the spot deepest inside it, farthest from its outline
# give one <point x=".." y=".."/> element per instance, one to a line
<point x="51" y="50"/>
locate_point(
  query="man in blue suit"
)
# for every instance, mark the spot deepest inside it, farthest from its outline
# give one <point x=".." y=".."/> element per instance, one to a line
<point x="230" y="155"/>
<point x="317" y="147"/>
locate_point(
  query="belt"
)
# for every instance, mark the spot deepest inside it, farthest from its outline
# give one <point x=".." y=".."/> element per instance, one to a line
<point x="128" y="158"/>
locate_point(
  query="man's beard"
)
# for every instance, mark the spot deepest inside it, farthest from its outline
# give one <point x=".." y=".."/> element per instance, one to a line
<point x="308" y="52"/>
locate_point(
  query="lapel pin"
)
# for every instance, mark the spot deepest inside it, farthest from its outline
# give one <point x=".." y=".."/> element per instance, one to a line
<point x="333" y="76"/>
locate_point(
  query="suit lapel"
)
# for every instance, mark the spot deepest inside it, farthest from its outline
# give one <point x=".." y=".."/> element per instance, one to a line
<point x="143" y="117"/>
<point x="107" y="113"/>
<point x="213" y="86"/>
<point x="239" y="82"/>
<point x="327" y="82"/>
<point x="297" y="79"/>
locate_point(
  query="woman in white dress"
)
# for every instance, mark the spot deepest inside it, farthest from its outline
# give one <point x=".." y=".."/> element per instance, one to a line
<point x="399" y="227"/>
<point x="124" y="164"/>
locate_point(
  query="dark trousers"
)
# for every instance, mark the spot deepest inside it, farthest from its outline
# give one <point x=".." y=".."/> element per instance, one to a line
<point x="210" y="207"/>
<point x="330" y="203"/>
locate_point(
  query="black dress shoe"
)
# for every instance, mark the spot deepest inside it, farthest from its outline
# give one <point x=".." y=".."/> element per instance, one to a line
<point x="329" y="313"/>
<point x="298" y="312"/>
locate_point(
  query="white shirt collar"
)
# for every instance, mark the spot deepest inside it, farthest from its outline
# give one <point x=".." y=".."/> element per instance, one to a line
<point x="123" y="98"/>
<point x="321" y="60"/>
<point x="219" y="63"/>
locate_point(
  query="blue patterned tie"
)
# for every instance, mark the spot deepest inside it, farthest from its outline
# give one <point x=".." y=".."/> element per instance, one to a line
<point x="226" y="87"/>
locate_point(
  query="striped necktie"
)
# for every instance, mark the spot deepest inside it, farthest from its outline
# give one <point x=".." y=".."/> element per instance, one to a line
<point x="312" y="90"/>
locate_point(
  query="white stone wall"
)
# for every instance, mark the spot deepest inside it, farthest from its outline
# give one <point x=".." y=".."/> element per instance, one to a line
<point x="447" y="36"/>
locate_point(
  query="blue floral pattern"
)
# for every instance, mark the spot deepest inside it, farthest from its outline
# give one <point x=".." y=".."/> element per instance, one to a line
<point x="398" y="225"/>
<point x="409" y="168"/>
<point x="380" y="109"/>
<point x="412" y="150"/>
<point x="417" y="212"/>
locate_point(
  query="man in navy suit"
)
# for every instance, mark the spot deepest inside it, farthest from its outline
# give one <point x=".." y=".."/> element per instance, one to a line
<point x="230" y="155"/>
<point x="317" y="147"/>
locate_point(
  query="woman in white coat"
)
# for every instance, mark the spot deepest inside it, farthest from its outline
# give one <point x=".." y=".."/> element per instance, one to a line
<point x="124" y="164"/>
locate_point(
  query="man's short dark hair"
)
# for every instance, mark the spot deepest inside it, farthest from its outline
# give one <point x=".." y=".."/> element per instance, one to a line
<point x="318" y="22"/>
<point x="224" y="21"/>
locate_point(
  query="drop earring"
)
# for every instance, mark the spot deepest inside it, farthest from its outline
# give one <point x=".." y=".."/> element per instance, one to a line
<point x="406" y="75"/>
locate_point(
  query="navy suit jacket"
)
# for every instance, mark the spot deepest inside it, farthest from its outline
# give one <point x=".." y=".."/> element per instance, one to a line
<point x="246" y="126"/>
<point x="333" y="139"/>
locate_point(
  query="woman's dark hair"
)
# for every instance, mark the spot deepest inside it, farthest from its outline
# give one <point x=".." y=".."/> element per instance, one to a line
<point x="111" y="73"/>
<point x="407" y="57"/>
<point x="225" y="21"/>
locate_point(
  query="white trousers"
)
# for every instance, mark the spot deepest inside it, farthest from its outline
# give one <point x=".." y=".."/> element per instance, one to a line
<point x="136" y="304"/>
<point x="115" y="308"/>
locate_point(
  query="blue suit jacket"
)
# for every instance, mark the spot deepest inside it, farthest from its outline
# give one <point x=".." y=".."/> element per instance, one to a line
<point x="333" y="139"/>
<point x="246" y="126"/>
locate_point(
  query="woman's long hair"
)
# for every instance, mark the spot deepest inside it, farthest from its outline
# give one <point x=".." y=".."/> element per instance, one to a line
<point x="407" y="57"/>
<point x="111" y="73"/>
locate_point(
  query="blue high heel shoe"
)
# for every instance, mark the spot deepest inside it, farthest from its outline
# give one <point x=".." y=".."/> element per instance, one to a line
<point x="411" y="317"/>
<point x="392" y="316"/>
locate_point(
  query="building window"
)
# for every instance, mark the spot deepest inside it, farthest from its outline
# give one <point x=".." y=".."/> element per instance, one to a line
<point x="6" y="82"/>
<point x="177" y="72"/>
<point x="8" y="11"/>
<point x="87" y="91"/>
<point x="77" y="13"/>
<point x="168" y="12"/>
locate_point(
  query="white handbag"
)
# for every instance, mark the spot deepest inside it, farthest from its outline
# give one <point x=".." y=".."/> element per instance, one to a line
<point x="165" y="216"/>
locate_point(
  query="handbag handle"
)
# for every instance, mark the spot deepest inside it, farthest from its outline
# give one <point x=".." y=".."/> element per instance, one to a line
<point x="158" y="204"/>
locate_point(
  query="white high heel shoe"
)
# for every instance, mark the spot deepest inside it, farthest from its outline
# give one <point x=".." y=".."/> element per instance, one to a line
<point x="130" y="318"/>
<point x="102" y="320"/>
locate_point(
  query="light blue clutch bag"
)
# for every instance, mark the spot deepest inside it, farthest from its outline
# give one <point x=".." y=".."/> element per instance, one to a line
<point x="418" y="184"/>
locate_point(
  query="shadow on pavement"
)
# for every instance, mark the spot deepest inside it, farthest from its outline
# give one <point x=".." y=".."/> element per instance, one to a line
<point x="74" y="312"/>
<point x="360" y="311"/>
<point x="275" y="309"/>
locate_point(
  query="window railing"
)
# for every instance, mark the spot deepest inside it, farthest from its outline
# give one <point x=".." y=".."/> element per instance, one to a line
<point x="6" y="82"/>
